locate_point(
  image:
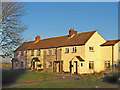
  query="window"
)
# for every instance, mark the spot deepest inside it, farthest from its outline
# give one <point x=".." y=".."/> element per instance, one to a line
<point x="119" y="49"/>
<point x="107" y="64"/>
<point x="17" y="53"/>
<point x="91" y="49"/>
<point x="74" y="49"/>
<point x="16" y="64"/>
<point x="32" y="52"/>
<point x="66" y="50"/>
<point x="38" y="52"/>
<point x="22" y="53"/>
<point x="21" y="64"/>
<point x="48" y="64"/>
<point x="53" y="51"/>
<point x="81" y="64"/>
<point x="48" y="52"/>
<point x="91" y="64"/>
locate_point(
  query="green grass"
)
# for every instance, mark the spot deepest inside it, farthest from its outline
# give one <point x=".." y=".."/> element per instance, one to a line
<point x="21" y="75"/>
<point x="65" y="84"/>
<point x="34" y="76"/>
<point x="86" y="81"/>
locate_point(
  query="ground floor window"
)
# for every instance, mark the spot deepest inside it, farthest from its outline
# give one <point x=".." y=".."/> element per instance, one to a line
<point x="48" y="64"/>
<point x="107" y="64"/>
<point x="16" y="64"/>
<point x="21" y="64"/>
<point x="91" y="64"/>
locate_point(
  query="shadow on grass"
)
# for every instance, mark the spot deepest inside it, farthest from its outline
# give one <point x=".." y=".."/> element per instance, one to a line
<point x="10" y="76"/>
<point x="112" y="78"/>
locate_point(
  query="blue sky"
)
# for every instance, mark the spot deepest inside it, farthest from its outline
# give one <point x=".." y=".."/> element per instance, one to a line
<point x="50" y="19"/>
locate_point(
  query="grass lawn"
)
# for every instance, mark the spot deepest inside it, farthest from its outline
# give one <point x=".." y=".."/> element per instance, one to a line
<point x="64" y="84"/>
<point x="86" y="81"/>
<point x="21" y="75"/>
<point x="34" y="76"/>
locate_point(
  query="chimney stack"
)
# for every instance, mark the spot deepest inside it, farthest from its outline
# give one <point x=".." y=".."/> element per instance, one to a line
<point x="37" y="38"/>
<point x="71" y="32"/>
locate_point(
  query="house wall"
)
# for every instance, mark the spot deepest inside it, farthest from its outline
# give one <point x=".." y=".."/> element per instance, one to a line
<point x="95" y="41"/>
<point x="20" y="59"/>
<point x="44" y="58"/>
<point x="67" y="57"/>
<point x="107" y="54"/>
<point x="30" y="57"/>
<point x="116" y="53"/>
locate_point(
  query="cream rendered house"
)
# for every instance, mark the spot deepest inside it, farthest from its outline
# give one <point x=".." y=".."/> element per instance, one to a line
<point x="76" y="53"/>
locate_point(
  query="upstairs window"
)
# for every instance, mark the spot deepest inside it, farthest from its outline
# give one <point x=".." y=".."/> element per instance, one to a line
<point x="38" y="52"/>
<point x="107" y="64"/>
<point x="48" y="52"/>
<point x="91" y="64"/>
<point x="17" y="53"/>
<point x="91" y="49"/>
<point x="74" y="49"/>
<point x="22" y="53"/>
<point x="32" y="52"/>
<point x="66" y="50"/>
<point x="53" y="51"/>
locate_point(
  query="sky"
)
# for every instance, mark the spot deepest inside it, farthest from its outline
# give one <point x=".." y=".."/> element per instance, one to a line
<point x="54" y="19"/>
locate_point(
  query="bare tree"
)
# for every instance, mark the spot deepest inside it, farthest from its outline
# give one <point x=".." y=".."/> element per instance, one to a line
<point x="11" y="28"/>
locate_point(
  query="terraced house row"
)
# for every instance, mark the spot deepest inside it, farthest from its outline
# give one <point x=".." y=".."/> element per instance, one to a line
<point x="76" y="53"/>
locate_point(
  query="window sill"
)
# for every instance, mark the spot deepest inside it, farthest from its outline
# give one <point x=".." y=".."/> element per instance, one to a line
<point x="91" y="51"/>
<point x="74" y="52"/>
<point x="66" y="53"/>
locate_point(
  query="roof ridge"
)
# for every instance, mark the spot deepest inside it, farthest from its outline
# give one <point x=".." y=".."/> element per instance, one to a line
<point x="67" y="35"/>
<point x="114" y="40"/>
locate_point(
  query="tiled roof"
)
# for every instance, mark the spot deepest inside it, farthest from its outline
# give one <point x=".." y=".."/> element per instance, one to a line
<point x="110" y="43"/>
<point x="24" y="46"/>
<point x="78" y="39"/>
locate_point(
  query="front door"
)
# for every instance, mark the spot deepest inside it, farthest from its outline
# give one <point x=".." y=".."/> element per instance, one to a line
<point x="70" y="66"/>
<point x="33" y="65"/>
<point x="76" y="69"/>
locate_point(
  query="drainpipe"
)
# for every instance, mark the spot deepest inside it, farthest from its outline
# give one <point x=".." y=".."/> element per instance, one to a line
<point x="112" y="56"/>
<point x="56" y="53"/>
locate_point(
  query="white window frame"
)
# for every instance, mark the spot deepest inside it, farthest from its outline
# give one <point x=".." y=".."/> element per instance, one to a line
<point x="48" y="64"/>
<point x="91" y="63"/>
<point x="32" y="52"/>
<point x="38" y="52"/>
<point x="66" y="50"/>
<point x="91" y="48"/>
<point x="107" y="64"/>
<point x="53" y="51"/>
<point x="48" y="51"/>
<point x="22" y="53"/>
<point x="74" y="49"/>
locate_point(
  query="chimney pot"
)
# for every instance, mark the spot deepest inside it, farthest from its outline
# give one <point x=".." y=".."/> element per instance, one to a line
<point x="71" y="32"/>
<point x="37" y="38"/>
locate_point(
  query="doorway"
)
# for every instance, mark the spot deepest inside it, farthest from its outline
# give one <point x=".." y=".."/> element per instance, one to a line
<point x="33" y="65"/>
<point x="75" y="67"/>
